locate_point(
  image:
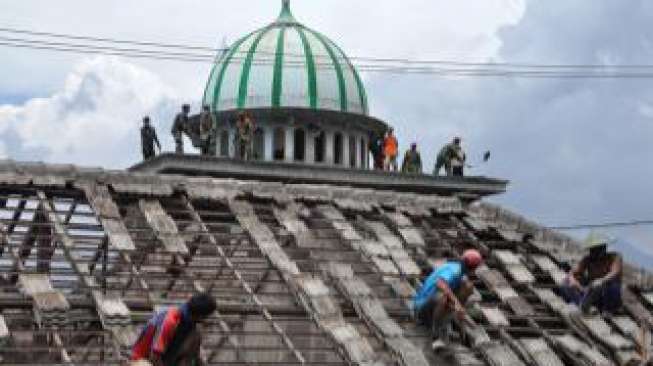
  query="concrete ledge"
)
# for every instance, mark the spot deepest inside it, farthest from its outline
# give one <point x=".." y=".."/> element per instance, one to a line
<point x="195" y="165"/>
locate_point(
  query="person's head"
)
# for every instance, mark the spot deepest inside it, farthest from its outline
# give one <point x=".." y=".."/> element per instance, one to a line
<point x="456" y="140"/>
<point x="596" y="245"/>
<point x="390" y="131"/>
<point x="206" y="108"/>
<point x="146" y="121"/>
<point x="472" y="258"/>
<point x="598" y="251"/>
<point x="528" y="238"/>
<point x="185" y="108"/>
<point x="201" y="306"/>
<point x="413" y="146"/>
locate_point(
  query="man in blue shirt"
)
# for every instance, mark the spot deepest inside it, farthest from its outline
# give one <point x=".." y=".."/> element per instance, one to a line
<point x="445" y="291"/>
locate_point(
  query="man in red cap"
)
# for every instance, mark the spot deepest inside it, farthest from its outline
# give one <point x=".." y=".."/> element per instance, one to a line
<point x="444" y="292"/>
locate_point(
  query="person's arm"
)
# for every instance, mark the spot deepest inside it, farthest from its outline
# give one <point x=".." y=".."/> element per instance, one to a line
<point x="576" y="273"/>
<point x="615" y="272"/>
<point x="419" y="163"/>
<point x="446" y="290"/>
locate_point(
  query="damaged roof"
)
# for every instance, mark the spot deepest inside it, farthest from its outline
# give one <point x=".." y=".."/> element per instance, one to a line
<point x="302" y="274"/>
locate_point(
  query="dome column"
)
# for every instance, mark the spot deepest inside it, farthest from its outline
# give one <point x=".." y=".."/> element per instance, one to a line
<point x="310" y="147"/>
<point x="345" y="150"/>
<point x="290" y="144"/>
<point x="329" y="139"/>
<point x="268" y="137"/>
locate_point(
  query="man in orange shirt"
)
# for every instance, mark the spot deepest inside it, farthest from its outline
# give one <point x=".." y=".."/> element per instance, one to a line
<point x="390" y="150"/>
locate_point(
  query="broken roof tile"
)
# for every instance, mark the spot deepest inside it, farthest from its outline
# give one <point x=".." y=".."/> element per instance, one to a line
<point x="541" y="353"/>
<point x="494" y="316"/>
<point x="408" y="354"/>
<point x="412" y="237"/>
<point x="499" y="354"/>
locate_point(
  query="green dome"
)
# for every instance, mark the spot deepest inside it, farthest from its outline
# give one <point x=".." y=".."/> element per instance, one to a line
<point x="285" y="65"/>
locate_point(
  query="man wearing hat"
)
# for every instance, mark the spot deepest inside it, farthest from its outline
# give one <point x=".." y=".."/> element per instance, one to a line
<point x="444" y="292"/>
<point x="596" y="279"/>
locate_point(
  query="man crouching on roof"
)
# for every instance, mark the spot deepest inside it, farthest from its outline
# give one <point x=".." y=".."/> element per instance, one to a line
<point x="444" y="292"/>
<point x="596" y="280"/>
<point x="171" y="337"/>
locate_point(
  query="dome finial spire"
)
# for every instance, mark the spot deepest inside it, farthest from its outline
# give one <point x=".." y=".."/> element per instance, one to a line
<point x="286" y="14"/>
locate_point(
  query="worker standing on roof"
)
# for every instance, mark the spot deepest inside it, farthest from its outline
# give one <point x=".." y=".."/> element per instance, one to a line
<point x="149" y="139"/>
<point x="444" y="292"/>
<point x="390" y="150"/>
<point x="458" y="159"/>
<point x="596" y="279"/>
<point x="376" y="148"/>
<point x="412" y="163"/>
<point x="171" y="336"/>
<point x="445" y="156"/>
<point x="179" y="126"/>
<point x="245" y="125"/>
<point x="207" y="131"/>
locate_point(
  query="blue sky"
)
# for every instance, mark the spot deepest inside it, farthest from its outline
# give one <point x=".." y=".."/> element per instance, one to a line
<point x="576" y="151"/>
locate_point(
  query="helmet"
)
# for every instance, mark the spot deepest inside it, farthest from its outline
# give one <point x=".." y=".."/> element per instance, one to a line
<point x="472" y="259"/>
<point x="595" y="239"/>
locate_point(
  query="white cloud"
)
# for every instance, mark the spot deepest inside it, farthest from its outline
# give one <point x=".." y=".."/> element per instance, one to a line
<point x="95" y="118"/>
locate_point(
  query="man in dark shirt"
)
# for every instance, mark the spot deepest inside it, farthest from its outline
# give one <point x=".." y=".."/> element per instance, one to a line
<point x="148" y="139"/>
<point x="179" y="126"/>
<point x="596" y="279"/>
<point x="171" y="336"/>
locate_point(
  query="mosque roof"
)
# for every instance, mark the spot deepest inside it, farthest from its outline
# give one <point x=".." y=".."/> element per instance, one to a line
<point x="285" y="64"/>
<point x="303" y="274"/>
